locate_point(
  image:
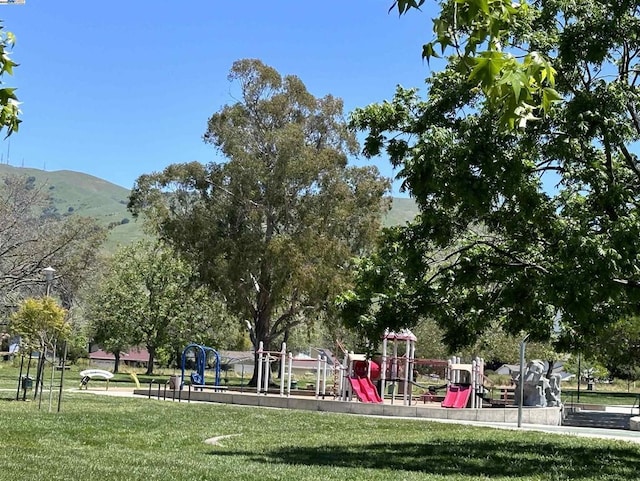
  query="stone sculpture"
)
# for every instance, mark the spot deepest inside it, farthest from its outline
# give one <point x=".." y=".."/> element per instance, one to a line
<point x="538" y="390"/>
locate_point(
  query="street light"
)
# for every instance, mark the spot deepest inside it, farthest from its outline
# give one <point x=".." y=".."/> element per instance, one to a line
<point x="523" y="346"/>
<point x="49" y="273"/>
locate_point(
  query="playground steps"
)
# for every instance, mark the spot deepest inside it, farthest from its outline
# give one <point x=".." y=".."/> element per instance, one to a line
<point x="596" y="419"/>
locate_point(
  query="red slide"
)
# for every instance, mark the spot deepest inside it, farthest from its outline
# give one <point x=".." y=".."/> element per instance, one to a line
<point x="462" y="398"/>
<point x="365" y="390"/>
<point x="450" y="397"/>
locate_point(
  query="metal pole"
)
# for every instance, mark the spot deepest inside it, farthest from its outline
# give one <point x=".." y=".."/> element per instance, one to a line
<point x="318" y="373"/>
<point x="259" y="367"/>
<point x="53" y="372"/>
<point x="24" y="388"/>
<point x="20" y="377"/>
<point x="324" y="376"/>
<point x="283" y="359"/>
<point x="523" y="345"/>
<point x="290" y="368"/>
<point x="579" y="374"/>
<point x="64" y="364"/>
<point x="383" y="368"/>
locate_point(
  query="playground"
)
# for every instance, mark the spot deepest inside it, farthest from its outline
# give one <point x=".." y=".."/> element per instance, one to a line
<point x="385" y="386"/>
<point x="235" y="440"/>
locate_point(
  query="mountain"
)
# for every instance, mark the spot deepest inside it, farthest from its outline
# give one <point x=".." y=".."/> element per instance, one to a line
<point x="403" y="210"/>
<point x="86" y="195"/>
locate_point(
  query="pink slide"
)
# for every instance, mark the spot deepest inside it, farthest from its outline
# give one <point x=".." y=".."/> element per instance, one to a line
<point x="450" y="397"/>
<point x="462" y="398"/>
<point x="365" y="390"/>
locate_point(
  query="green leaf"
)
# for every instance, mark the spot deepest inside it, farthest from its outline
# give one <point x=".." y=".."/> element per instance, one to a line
<point x="428" y="52"/>
<point x="483" y="5"/>
<point x="549" y="97"/>
<point x="487" y="67"/>
<point x="517" y="80"/>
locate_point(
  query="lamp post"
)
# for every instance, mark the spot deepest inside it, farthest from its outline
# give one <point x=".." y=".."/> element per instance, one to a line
<point x="49" y="273"/>
<point x="523" y="345"/>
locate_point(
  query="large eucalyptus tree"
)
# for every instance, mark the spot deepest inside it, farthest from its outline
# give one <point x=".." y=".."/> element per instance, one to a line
<point x="272" y="228"/>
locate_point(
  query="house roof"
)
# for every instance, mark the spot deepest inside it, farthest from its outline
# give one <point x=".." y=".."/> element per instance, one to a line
<point x="135" y="354"/>
<point x="510" y="367"/>
<point x="236" y="357"/>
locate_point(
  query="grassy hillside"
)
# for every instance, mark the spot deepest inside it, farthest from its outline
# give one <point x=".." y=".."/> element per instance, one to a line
<point x="403" y="210"/>
<point x="86" y="195"/>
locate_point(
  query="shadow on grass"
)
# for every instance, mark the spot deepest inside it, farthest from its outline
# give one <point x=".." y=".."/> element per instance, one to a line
<point x="474" y="458"/>
<point x="7" y="396"/>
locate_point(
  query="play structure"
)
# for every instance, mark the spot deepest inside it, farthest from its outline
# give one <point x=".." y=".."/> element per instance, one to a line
<point x="358" y="372"/>
<point x="391" y="375"/>
<point x="395" y="370"/>
<point x="465" y="387"/>
<point x="395" y="375"/>
<point x="285" y="359"/>
<point x="537" y="389"/>
<point x="203" y="357"/>
<point x="465" y="382"/>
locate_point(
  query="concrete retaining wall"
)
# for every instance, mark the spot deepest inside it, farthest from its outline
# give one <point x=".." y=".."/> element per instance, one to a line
<point x="543" y="416"/>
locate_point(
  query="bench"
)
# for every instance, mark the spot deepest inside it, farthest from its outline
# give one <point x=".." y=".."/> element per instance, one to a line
<point x="89" y="374"/>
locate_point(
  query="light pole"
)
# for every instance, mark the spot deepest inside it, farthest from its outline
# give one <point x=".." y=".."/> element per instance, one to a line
<point x="49" y="273"/>
<point x="523" y="345"/>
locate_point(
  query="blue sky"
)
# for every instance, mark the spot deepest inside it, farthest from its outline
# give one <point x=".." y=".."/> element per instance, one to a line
<point x="118" y="89"/>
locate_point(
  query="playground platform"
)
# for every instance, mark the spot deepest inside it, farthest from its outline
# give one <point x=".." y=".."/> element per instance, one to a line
<point x="541" y="416"/>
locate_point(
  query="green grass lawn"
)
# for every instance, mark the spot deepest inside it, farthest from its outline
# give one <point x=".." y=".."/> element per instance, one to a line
<point x="104" y="438"/>
<point x="608" y="398"/>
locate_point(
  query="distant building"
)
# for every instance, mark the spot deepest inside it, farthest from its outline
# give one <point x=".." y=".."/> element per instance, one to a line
<point x="135" y="357"/>
<point x="514" y="369"/>
<point x="508" y="370"/>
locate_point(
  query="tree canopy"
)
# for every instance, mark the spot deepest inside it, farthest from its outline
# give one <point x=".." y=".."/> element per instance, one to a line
<point x="534" y="223"/>
<point x="31" y="239"/>
<point x="273" y="228"/>
<point x="491" y="43"/>
<point x="147" y="298"/>
<point x="41" y="323"/>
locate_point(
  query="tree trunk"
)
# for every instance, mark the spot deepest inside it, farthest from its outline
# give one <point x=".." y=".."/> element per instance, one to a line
<point x="39" y="372"/>
<point x="116" y="362"/>
<point x="152" y="356"/>
<point x="550" y="368"/>
<point x="262" y="333"/>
